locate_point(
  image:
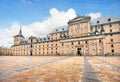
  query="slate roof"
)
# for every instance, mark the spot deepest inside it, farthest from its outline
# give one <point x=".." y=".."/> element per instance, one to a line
<point x="43" y="39"/>
<point x="104" y="20"/>
<point x="23" y="42"/>
<point x="60" y="28"/>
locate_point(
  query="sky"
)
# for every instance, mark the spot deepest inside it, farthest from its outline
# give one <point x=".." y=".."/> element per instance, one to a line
<point x="39" y="17"/>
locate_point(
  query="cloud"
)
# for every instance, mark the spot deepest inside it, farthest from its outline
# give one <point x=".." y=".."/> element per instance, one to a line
<point x="30" y="2"/>
<point x="94" y="15"/>
<point x="37" y="28"/>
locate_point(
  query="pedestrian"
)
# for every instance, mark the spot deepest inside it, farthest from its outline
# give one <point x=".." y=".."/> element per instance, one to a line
<point x="105" y="55"/>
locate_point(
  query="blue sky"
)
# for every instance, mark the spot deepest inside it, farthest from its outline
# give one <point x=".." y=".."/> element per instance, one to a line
<point x="28" y="11"/>
<point x="40" y="17"/>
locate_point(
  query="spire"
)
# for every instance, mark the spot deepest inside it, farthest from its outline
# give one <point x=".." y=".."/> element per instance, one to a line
<point x="20" y="32"/>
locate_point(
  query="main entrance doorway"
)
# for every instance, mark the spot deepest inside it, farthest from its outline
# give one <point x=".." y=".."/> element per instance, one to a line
<point x="31" y="53"/>
<point x="79" y="51"/>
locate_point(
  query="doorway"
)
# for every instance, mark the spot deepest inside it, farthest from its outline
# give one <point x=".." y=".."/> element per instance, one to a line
<point x="31" y="53"/>
<point x="79" y="51"/>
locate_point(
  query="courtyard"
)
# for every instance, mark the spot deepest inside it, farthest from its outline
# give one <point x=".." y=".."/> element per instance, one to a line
<point x="59" y="69"/>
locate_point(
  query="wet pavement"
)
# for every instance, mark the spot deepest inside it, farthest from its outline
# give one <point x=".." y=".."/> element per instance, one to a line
<point x="59" y="69"/>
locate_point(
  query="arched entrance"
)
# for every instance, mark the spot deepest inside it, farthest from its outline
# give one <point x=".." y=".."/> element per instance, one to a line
<point x="79" y="50"/>
<point x="31" y="53"/>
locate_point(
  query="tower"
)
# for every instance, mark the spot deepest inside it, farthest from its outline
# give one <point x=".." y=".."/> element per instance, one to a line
<point x="18" y="38"/>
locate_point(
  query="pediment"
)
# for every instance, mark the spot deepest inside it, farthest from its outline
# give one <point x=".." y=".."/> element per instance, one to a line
<point x="79" y="18"/>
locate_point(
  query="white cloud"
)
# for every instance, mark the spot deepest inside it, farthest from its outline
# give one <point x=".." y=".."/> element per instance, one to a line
<point x="94" y="15"/>
<point x="57" y="18"/>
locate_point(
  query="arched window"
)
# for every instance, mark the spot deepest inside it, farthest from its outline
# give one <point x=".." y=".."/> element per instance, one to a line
<point x="31" y="40"/>
<point x="78" y="26"/>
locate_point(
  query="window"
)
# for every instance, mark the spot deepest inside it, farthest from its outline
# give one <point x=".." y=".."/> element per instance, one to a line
<point x="91" y="28"/>
<point x="31" y="46"/>
<point x="111" y="40"/>
<point x="56" y="30"/>
<point x="100" y="41"/>
<point x="109" y="19"/>
<point x="112" y="51"/>
<point x="31" y="40"/>
<point x="72" y="43"/>
<point x="110" y="25"/>
<point x="78" y="42"/>
<point x="86" y="42"/>
<point x="110" y="30"/>
<point x="62" y="28"/>
<point x="98" y="21"/>
<point x="112" y="45"/>
<point x="78" y="26"/>
<point x="62" y="44"/>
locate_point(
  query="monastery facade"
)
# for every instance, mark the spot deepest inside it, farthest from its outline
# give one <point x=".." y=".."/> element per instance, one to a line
<point x="82" y="36"/>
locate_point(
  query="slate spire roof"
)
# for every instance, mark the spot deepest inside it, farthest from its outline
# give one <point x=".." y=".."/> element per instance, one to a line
<point x="20" y="33"/>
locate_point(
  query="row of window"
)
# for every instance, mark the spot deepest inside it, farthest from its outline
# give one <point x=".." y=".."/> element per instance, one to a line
<point x="47" y="52"/>
<point x="100" y="41"/>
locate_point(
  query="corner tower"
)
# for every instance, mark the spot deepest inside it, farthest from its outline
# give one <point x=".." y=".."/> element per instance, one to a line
<point x="18" y="38"/>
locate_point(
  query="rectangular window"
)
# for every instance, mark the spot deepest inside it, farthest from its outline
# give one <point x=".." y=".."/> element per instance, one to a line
<point x="100" y="41"/>
<point x="112" y="51"/>
<point x="86" y="42"/>
<point x="78" y="42"/>
<point x="72" y="43"/>
<point x="112" y="45"/>
<point x="110" y="30"/>
<point x="51" y="48"/>
<point x="62" y="44"/>
<point x="110" y="25"/>
<point x="111" y="40"/>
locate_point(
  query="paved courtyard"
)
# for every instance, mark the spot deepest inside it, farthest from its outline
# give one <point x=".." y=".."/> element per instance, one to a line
<point x="59" y="69"/>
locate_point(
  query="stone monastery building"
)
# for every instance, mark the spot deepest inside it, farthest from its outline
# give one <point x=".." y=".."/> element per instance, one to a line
<point x="82" y="36"/>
